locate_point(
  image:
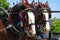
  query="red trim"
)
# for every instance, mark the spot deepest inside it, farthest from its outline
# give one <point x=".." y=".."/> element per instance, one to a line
<point x="26" y="2"/>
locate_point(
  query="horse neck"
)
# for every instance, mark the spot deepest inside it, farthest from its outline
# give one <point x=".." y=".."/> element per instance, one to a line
<point x="2" y="29"/>
<point x="1" y="24"/>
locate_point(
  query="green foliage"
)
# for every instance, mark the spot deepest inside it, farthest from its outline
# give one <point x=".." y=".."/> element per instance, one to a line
<point x="1" y="12"/>
<point x="4" y="4"/>
<point x="56" y="26"/>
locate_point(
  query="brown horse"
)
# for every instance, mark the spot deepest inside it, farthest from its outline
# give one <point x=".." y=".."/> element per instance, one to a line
<point x="43" y="19"/>
<point x="6" y="34"/>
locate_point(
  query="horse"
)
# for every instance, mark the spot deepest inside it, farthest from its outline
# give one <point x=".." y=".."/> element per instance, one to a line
<point x="43" y="17"/>
<point x="28" y="29"/>
<point x="15" y="22"/>
<point x="46" y="24"/>
<point x="4" y="33"/>
<point x="30" y="20"/>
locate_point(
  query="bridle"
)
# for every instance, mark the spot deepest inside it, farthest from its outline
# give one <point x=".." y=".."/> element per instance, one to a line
<point x="29" y="10"/>
<point x="43" y="19"/>
<point x="44" y="10"/>
<point x="9" y="25"/>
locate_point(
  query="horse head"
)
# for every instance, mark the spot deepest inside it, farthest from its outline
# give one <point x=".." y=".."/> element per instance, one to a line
<point x="16" y="15"/>
<point x="46" y="15"/>
<point x="29" y="15"/>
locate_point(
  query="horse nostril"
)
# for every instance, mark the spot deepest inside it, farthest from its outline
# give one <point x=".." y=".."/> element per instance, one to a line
<point x="30" y="31"/>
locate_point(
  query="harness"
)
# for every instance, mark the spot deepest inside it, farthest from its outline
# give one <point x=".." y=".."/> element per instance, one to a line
<point x="43" y="21"/>
<point x="27" y="22"/>
<point x="45" y="12"/>
<point x="16" y="21"/>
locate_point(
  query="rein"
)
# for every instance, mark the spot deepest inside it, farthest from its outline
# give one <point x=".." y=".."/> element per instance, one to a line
<point x="5" y="28"/>
<point x="9" y="26"/>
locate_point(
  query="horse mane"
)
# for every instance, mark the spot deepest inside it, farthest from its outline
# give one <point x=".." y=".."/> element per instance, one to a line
<point x="18" y="7"/>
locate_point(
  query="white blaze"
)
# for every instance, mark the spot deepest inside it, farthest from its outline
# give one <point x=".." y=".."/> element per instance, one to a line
<point x="47" y="18"/>
<point x="31" y="19"/>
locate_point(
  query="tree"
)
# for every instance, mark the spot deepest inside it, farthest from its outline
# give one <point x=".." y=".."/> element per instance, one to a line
<point x="4" y="4"/>
<point x="56" y="26"/>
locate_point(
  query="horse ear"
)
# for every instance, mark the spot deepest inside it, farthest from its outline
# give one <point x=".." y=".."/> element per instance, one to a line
<point x="46" y="3"/>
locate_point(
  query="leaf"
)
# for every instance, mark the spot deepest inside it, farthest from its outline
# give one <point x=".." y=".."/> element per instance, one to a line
<point x="56" y="25"/>
<point x="4" y="4"/>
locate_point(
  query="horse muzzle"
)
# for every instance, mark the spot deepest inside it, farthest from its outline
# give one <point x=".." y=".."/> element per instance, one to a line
<point x="31" y="33"/>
